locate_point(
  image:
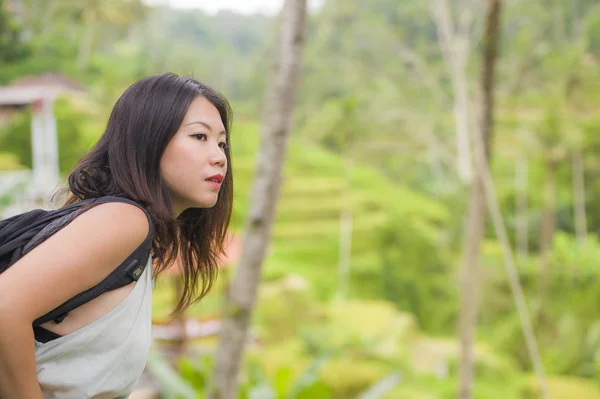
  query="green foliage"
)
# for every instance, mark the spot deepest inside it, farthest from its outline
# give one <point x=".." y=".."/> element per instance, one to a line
<point x="283" y="306"/>
<point x="592" y="30"/>
<point x="365" y="341"/>
<point x="9" y="161"/>
<point x="382" y="387"/>
<point x="12" y="47"/>
<point x="563" y="388"/>
<point x="196" y="372"/>
<point x="406" y="254"/>
<point x="358" y="343"/>
<point x="575" y="320"/>
<point x="15" y="138"/>
<point x="193" y="379"/>
<point x="374" y="329"/>
<point x="352" y="375"/>
<point x="429" y="387"/>
<point x="172" y="384"/>
<point x="568" y="325"/>
<point x="551" y="128"/>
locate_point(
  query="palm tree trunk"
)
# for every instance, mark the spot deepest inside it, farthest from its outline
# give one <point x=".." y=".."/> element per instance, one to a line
<point x="279" y="106"/>
<point x="475" y="222"/>
<point x="547" y="228"/>
<point x="454" y="48"/>
<point x="468" y="285"/>
<point x="85" y="45"/>
<point x="579" y="196"/>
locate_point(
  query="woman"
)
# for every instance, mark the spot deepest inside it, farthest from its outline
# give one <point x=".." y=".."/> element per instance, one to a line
<point x="166" y="147"/>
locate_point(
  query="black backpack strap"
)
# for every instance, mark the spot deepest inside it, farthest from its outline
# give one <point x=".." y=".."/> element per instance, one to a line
<point x="127" y="272"/>
<point x="21" y="233"/>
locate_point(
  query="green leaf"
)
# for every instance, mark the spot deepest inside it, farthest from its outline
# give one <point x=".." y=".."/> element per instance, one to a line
<point x="381" y="387"/>
<point x="260" y="387"/>
<point x="171" y="384"/>
<point x="262" y="391"/>
<point x="317" y="390"/>
<point x="308" y="378"/>
<point x="283" y="381"/>
<point x="197" y="372"/>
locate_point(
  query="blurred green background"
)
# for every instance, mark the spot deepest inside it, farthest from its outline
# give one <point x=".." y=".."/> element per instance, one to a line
<point x="373" y="158"/>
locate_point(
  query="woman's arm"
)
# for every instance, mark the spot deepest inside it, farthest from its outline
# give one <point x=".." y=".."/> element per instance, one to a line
<point x="17" y="361"/>
<point x="73" y="260"/>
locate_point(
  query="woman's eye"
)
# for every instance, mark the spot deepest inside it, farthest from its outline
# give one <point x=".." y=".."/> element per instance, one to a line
<point x="224" y="145"/>
<point x="200" y="136"/>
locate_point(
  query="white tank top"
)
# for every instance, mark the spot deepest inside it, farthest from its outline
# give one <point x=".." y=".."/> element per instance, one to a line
<point x="104" y="359"/>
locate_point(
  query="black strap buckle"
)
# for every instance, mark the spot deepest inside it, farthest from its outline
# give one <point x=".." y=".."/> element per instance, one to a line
<point x="134" y="269"/>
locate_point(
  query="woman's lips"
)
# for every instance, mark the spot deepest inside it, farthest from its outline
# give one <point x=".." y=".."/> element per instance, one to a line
<point x="215" y="180"/>
<point x="213" y="183"/>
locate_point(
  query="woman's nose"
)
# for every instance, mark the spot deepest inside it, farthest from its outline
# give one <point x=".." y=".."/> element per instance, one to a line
<point x="218" y="157"/>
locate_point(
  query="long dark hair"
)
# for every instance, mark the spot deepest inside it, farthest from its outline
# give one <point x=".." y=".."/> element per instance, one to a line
<point x="126" y="162"/>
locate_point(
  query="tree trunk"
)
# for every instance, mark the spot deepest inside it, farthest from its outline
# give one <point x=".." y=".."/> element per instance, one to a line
<point x="547" y="228"/>
<point x="85" y="45"/>
<point x="279" y="106"/>
<point x="579" y="196"/>
<point x="474" y="226"/>
<point x="475" y="222"/>
<point x="454" y="48"/>
<point x="46" y="25"/>
<point x="521" y="183"/>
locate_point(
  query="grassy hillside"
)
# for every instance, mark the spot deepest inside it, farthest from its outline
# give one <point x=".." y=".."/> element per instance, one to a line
<point x="307" y="228"/>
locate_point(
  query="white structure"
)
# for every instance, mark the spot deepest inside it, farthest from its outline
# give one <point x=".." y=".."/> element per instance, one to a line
<point x="35" y="188"/>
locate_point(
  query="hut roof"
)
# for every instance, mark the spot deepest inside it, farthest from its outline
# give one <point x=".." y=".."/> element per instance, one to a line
<point x="27" y="89"/>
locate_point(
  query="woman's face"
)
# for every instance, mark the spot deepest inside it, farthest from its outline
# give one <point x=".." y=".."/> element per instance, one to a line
<point x="194" y="164"/>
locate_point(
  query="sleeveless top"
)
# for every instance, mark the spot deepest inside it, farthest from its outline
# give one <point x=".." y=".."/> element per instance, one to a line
<point x="103" y="359"/>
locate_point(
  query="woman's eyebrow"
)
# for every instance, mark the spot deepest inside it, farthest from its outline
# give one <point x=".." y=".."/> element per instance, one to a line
<point x="205" y="125"/>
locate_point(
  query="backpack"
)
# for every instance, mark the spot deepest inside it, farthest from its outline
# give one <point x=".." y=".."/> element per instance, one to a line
<point x="21" y="233"/>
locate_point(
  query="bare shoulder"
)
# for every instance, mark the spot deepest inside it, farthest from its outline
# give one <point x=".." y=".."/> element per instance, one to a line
<point x="127" y="221"/>
<point x="74" y="259"/>
<point x="108" y="230"/>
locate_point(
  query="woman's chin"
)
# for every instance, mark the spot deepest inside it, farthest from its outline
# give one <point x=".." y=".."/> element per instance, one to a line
<point x="205" y="202"/>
